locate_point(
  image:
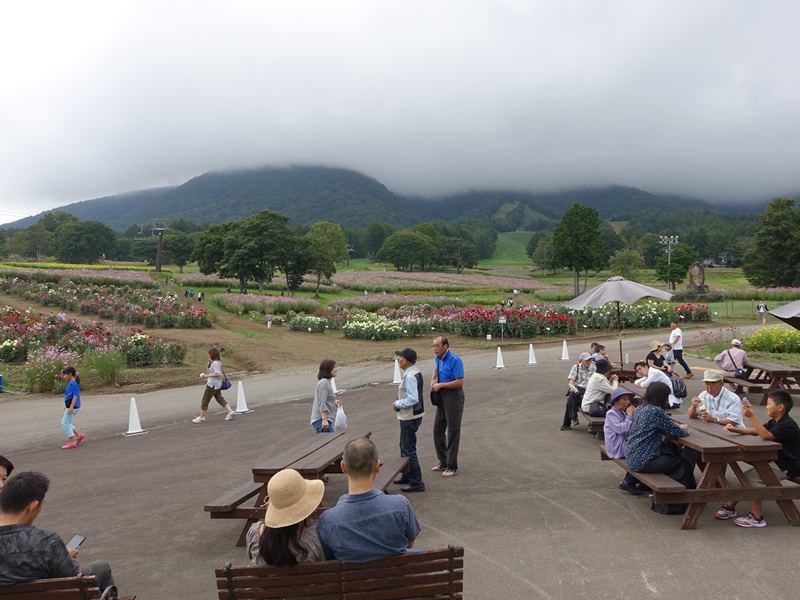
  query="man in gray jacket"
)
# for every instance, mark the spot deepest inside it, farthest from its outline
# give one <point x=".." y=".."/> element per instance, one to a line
<point x="410" y="409"/>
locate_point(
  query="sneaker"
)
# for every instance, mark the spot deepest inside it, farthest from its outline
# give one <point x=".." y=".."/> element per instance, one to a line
<point x="630" y="488"/>
<point x="439" y="468"/>
<point x="70" y="446"/>
<point x="566" y="428"/>
<point x="81" y="437"/>
<point x="689" y="376"/>
<point x="575" y="422"/>
<point x="199" y="419"/>
<point x="750" y="520"/>
<point x="401" y="481"/>
<point x="725" y="513"/>
<point x="449" y="473"/>
<point x="229" y="416"/>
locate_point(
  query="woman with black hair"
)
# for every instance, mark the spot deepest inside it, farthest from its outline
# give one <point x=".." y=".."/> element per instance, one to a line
<point x="651" y="448"/>
<point x="286" y="537"/>
<point x="6" y="466"/>
<point x="325" y="402"/>
<point x="72" y="403"/>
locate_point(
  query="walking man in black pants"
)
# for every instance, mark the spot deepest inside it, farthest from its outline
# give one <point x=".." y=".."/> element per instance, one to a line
<point x="676" y="341"/>
<point x="448" y="384"/>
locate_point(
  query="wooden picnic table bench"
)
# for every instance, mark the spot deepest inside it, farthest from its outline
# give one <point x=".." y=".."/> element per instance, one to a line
<point x="81" y="587"/>
<point x="662" y="485"/>
<point x="771" y="376"/>
<point x="743" y="386"/>
<point x="430" y="574"/>
<point x="596" y="424"/>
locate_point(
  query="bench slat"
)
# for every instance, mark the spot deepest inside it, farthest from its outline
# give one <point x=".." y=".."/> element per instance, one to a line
<point x="230" y="500"/>
<point x="441" y="590"/>
<point x="65" y="588"/>
<point x="388" y="472"/>
<point x="658" y="482"/>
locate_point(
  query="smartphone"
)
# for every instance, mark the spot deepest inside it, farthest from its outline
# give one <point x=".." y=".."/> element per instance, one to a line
<point x="76" y="541"/>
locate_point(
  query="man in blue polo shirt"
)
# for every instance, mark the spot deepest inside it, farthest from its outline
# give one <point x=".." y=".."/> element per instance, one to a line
<point x="366" y="524"/>
<point x="448" y="383"/>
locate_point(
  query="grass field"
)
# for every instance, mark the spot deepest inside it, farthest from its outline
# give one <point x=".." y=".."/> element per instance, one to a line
<point x="510" y="250"/>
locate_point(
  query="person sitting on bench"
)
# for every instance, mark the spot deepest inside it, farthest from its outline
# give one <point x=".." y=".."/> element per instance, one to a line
<point x="601" y="383"/>
<point x="780" y="428"/>
<point x="285" y="538"/>
<point x="28" y="553"/>
<point x="733" y="359"/>
<point x="647" y="451"/>
<point x="717" y="404"/>
<point x="366" y="524"/>
<point x="648" y="375"/>
<point x="578" y="380"/>
<point x="6" y="466"/>
<point x="618" y="423"/>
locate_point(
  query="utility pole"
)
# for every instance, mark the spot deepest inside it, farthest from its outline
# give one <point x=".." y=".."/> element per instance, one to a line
<point x="158" y="229"/>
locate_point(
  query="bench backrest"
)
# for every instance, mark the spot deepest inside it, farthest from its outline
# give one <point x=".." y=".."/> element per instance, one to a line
<point x="432" y="574"/>
<point x="67" y="588"/>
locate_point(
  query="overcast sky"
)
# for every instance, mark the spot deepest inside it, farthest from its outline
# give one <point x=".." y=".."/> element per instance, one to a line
<point x="695" y="97"/>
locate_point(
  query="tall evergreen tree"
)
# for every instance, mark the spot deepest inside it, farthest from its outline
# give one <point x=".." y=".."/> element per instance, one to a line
<point x="774" y="255"/>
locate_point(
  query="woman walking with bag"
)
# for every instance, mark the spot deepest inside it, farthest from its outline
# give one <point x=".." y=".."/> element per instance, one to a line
<point x="214" y="386"/>
<point x="325" y="402"/>
<point x="72" y="402"/>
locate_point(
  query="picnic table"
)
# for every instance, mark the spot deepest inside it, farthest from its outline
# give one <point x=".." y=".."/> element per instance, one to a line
<point x="767" y="376"/>
<point x="313" y="458"/>
<point x="637" y="390"/>
<point x="718" y="447"/>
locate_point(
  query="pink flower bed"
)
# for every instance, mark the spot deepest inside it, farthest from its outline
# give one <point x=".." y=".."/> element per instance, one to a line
<point x="432" y="280"/>
<point x="102" y="275"/>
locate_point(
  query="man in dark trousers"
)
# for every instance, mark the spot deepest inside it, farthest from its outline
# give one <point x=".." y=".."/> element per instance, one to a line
<point x="410" y="409"/>
<point x="448" y="383"/>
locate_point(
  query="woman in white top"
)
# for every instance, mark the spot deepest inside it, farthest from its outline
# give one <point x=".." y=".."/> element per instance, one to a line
<point x="214" y="378"/>
<point x="325" y="402"/>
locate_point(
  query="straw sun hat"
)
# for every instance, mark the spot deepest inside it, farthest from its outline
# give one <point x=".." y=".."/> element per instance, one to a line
<point x="654" y="345"/>
<point x="291" y="498"/>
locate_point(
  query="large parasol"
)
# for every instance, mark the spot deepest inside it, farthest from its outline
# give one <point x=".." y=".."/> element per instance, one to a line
<point x="620" y="290"/>
<point x="788" y="313"/>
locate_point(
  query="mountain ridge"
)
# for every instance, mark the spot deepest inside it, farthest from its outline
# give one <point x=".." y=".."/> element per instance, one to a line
<point x="313" y="193"/>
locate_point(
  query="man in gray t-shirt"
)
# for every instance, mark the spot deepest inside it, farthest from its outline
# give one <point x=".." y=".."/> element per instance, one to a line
<point x="366" y="524"/>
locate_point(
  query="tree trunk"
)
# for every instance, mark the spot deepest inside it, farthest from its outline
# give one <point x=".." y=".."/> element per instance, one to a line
<point x="180" y="268"/>
<point x="316" y="292"/>
<point x="576" y="282"/>
<point x="585" y="280"/>
<point x="242" y="288"/>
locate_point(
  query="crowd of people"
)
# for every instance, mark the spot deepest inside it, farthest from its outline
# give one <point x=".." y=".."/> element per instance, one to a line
<point x="645" y="435"/>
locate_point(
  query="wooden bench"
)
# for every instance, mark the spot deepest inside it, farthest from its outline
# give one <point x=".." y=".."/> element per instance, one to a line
<point x="595" y="423"/>
<point x="388" y="472"/>
<point x="227" y="505"/>
<point x="432" y="574"/>
<point x="65" y="588"/>
<point x="741" y="386"/>
<point x="661" y="484"/>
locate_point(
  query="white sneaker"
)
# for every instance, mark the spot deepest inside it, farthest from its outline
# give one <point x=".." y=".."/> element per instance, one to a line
<point x="230" y="416"/>
<point x="199" y="419"/>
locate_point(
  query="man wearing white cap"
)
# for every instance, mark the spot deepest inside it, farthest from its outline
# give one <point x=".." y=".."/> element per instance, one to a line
<point x="717" y="404"/>
<point x="733" y="358"/>
<point x="578" y="380"/>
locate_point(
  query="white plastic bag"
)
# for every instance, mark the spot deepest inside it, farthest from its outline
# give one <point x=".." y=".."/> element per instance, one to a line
<point x="340" y="422"/>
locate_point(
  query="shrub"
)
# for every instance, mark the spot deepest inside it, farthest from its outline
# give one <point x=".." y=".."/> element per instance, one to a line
<point x="12" y="350"/>
<point x="372" y="327"/>
<point x="308" y="323"/>
<point x="42" y="371"/>
<point x="774" y="339"/>
<point x="106" y="365"/>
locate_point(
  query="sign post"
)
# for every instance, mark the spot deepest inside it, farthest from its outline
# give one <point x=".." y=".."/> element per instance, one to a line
<point x="502" y="320"/>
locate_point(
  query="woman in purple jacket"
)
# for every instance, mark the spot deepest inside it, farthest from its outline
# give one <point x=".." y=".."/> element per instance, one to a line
<point x="618" y="423"/>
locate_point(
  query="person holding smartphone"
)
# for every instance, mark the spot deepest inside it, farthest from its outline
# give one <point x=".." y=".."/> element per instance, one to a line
<point x="28" y="553"/>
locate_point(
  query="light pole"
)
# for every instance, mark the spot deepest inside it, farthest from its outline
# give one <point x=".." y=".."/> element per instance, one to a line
<point x="669" y="241"/>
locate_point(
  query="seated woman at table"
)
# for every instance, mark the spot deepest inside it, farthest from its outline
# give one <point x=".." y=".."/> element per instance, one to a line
<point x="601" y="383"/>
<point x="655" y="358"/>
<point x="647" y="450"/>
<point x="285" y="537"/>
<point x="618" y="423"/>
<point x="780" y="428"/>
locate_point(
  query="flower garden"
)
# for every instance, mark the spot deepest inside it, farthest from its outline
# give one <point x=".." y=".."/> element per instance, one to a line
<point x="130" y="304"/>
<point x="45" y="344"/>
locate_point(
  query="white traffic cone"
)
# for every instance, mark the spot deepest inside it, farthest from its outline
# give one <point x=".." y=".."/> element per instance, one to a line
<point x="531" y="356"/>
<point x="499" y="364"/>
<point x="333" y="386"/>
<point x="397" y="375"/>
<point x="134" y="426"/>
<point x="564" y="351"/>
<point x="241" y="401"/>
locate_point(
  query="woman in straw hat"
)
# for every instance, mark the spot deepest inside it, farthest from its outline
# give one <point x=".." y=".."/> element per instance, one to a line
<point x="285" y="537"/>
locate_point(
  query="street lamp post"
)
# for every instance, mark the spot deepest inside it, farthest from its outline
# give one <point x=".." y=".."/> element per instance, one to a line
<point x="669" y="241"/>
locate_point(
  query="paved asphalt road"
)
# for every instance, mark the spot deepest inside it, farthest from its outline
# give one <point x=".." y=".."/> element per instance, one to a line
<point x="539" y="514"/>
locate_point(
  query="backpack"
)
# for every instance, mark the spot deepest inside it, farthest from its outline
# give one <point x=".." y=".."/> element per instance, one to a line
<point x="678" y="386"/>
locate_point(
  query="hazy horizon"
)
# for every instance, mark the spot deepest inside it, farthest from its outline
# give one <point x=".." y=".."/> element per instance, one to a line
<point x="679" y="97"/>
